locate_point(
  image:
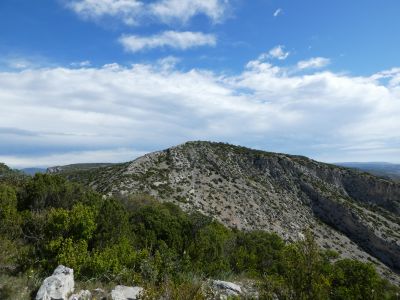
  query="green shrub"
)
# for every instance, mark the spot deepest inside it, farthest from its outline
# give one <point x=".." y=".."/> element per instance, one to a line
<point x="10" y="219"/>
<point x="211" y="248"/>
<point x="112" y="224"/>
<point x="257" y="252"/>
<point x="113" y="260"/>
<point x="304" y="270"/>
<point x="73" y="254"/>
<point x="157" y="224"/>
<point x="45" y="191"/>
<point x="355" y="280"/>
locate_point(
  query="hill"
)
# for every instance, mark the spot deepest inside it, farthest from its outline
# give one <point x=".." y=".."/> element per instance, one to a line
<point x="354" y="213"/>
<point x="76" y="167"/>
<point x="381" y="169"/>
<point x="33" y="171"/>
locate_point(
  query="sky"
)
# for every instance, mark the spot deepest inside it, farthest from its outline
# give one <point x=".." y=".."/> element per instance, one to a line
<point x="110" y="80"/>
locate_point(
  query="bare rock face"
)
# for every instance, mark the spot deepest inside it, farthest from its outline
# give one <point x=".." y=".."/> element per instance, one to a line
<point x="121" y="292"/>
<point x="225" y="289"/>
<point x="58" y="286"/>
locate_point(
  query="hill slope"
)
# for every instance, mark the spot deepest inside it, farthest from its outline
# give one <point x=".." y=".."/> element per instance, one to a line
<point x="355" y="213"/>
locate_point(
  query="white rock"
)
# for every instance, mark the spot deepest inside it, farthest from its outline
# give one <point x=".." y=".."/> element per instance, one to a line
<point x="227" y="288"/>
<point x="121" y="292"/>
<point x="58" y="286"/>
<point x="82" y="295"/>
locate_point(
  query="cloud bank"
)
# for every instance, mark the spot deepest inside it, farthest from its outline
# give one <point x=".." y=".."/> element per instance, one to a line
<point x="171" y="39"/>
<point x="114" y="113"/>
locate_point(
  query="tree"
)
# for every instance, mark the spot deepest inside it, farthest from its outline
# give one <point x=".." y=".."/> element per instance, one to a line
<point x="161" y="223"/>
<point x="211" y="249"/>
<point x="257" y="252"/>
<point x="304" y="270"/>
<point x="45" y="191"/>
<point x="112" y="224"/>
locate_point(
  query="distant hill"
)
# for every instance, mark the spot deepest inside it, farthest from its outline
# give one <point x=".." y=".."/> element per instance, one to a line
<point x="76" y="167"/>
<point x="381" y="169"/>
<point x="33" y="171"/>
<point x="355" y="213"/>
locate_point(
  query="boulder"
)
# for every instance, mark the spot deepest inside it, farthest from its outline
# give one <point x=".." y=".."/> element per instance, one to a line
<point x="58" y="286"/>
<point x="226" y="288"/>
<point x="82" y="295"/>
<point x="121" y="292"/>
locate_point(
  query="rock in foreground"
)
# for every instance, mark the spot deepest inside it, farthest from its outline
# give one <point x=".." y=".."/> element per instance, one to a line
<point x="57" y="286"/>
<point x="121" y="292"/>
<point x="226" y="289"/>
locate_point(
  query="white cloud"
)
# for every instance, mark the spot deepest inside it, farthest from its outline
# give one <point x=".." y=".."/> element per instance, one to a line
<point x="278" y="12"/>
<point x="168" y="63"/>
<point x="170" y="39"/>
<point x="127" y="10"/>
<point x="313" y="63"/>
<point x="393" y="75"/>
<point x="81" y="64"/>
<point x="131" y="12"/>
<point x="184" y="10"/>
<point x="277" y="52"/>
<point x="54" y="115"/>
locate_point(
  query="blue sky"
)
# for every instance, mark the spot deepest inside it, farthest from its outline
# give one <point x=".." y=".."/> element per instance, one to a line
<point x="108" y="80"/>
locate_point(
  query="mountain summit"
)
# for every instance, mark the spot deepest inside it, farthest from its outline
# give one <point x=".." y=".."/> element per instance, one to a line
<point x="354" y="213"/>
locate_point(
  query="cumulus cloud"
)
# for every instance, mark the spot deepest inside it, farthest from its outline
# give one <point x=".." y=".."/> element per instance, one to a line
<point x="49" y="116"/>
<point x="131" y="12"/>
<point x="278" y="12"/>
<point x="184" y="10"/>
<point x="313" y="63"/>
<point x="277" y="52"/>
<point x="171" y="39"/>
<point x="393" y="75"/>
<point x="127" y="10"/>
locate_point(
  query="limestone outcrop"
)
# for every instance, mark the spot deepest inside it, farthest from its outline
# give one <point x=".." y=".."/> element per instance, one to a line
<point x="58" y="286"/>
<point x="121" y="292"/>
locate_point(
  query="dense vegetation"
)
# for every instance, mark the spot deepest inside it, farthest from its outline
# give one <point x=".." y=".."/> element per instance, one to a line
<point x="46" y="221"/>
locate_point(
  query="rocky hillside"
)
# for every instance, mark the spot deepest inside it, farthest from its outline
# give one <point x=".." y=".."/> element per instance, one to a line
<point x="354" y="213"/>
